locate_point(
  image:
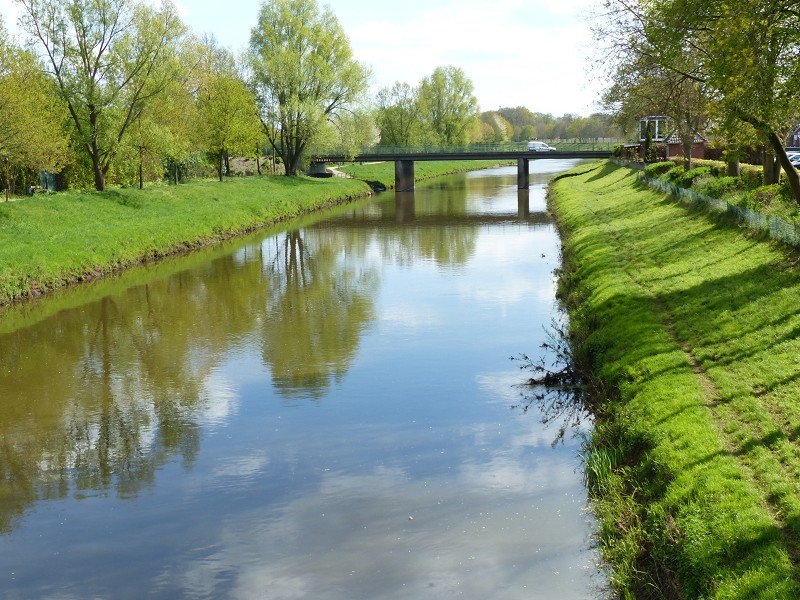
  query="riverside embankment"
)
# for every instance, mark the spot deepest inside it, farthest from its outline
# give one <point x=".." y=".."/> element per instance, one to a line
<point x="690" y="327"/>
<point x="49" y="241"/>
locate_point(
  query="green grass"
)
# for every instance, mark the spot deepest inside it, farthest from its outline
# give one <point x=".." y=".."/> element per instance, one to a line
<point x="692" y="328"/>
<point x="48" y="241"/>
<point x="383" y="172"/>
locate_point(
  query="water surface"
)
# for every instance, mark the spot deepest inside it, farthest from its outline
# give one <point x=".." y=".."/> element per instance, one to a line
<point x="326" y="412"/>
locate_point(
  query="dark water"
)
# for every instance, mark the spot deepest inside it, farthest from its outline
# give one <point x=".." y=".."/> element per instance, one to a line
<point x="329" y="412"/>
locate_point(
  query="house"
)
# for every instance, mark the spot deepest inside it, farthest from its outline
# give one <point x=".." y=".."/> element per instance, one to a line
<point x="667" y="143"/>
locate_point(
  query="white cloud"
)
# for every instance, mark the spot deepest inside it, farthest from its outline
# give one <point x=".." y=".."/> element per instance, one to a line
<point x="517" y="53"/>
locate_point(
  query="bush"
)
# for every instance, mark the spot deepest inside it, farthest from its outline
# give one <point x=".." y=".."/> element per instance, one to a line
<point x="674" y="175"/>
<point x="658" y="169"/>
<point x="767" y="199"/>
<point x="717" y="187"/>
<point x="688" y="178"/>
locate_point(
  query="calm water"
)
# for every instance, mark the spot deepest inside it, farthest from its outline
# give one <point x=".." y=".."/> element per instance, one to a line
<point x="329" y="412"/>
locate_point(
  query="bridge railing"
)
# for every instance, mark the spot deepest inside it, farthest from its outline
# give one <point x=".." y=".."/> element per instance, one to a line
<point x="565" y="145"/>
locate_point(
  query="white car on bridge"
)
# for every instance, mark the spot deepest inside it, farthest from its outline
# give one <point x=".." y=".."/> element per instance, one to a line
<point x="539" y="147"/>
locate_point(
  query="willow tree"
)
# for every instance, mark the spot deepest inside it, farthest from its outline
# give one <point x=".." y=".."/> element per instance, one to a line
<point x="448" y="105"/>
<point x="398" y="115"/>
<point x="303" y="72"/>
<point x="109" y="59"/>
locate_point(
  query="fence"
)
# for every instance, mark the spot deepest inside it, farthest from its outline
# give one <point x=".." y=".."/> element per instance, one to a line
<point x="778" y="229"/>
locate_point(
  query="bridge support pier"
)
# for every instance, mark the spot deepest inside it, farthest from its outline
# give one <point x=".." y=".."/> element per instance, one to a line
<point x="318" y="169"/>
<point x="523" y="180"/>
<point x="404" y="175"/>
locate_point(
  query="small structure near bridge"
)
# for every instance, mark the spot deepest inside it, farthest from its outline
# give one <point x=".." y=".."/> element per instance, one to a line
<point x="666" y="143"/>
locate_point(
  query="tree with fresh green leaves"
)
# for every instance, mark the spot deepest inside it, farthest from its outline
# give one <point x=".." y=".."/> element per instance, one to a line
<point x="495" y="128"/>
<point x="110" y="59"/>
<point x="448" y="106"/>
<point x="227" y="113"/>
<point x="32" y="118"/>
<point x="740" y="55"/>
<point x="354" y="130"/>
<point x="398" y="115"/>
<point x="303" y="73"/>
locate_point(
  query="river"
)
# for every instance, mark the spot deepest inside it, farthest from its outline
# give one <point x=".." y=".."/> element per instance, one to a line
<point x="329" y="411"/>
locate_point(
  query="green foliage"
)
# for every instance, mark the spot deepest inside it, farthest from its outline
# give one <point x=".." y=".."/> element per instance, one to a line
<point x="117" y="60"/>
<point x="731" y="62"/>
<point x="32" y="119"/>
<point x="398" y="115"/>
<point x="687" y="178"/>
<point x="659" y="168"/>
<point x="448" y="106"/>
<point x="770" y="199"/>
<point x="303" y="72"/>
<point x="720" y="187"/>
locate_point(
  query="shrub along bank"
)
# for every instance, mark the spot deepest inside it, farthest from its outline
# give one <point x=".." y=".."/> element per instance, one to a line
<point x="690" y="330"/>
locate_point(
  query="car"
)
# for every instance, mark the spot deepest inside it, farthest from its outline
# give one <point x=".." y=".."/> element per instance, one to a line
<point x="539" y="147"/>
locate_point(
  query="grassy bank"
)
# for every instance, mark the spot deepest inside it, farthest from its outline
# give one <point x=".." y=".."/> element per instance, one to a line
<point x="691" y="328"/>
<point x="48" y="241"/>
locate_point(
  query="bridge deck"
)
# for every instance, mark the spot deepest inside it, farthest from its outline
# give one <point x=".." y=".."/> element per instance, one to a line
<point x="462" y="155"/>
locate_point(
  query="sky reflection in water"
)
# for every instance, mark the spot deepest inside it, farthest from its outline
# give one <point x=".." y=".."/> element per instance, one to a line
<point x="388" y="465"/>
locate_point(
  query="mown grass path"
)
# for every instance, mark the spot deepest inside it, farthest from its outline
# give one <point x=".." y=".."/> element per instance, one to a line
<point x="695" y="330"/>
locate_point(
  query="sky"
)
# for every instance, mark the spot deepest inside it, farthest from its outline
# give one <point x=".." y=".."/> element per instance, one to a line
<point x="532" y="53"/>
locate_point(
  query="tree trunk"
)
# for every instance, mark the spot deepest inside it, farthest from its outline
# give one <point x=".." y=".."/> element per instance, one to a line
<point x="769" y="166"/>
<point x="687" y="153"/>
<point x="99" y="177"/>
<point x="94" y="152"/>
<point x="141" y="171"/>
<point x="783" y="159"/>
<point x="219" y="165"/>
<point x="733" y="167"/>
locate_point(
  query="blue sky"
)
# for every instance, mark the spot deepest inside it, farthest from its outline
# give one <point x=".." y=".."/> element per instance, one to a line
<point x="532" y="53"/>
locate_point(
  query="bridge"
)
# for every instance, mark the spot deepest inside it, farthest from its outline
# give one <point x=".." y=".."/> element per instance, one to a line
<point x="404" y="159"/>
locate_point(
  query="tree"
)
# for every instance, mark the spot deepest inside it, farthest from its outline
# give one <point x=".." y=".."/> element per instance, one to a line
<point x="742" y="54"/>
<point x="32" y="134"/>
<point x="303" y="72"/>
<point x="109" y="59"/>
<point x="495" y="127"/>
<point x="448" y="105"/>
<point x="398" y="115"/>
<point x="228" y="117"/>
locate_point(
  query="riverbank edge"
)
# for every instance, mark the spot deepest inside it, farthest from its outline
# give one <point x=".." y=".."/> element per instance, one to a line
<point x="52" y="242"/>
<point x="677" y="516"/>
